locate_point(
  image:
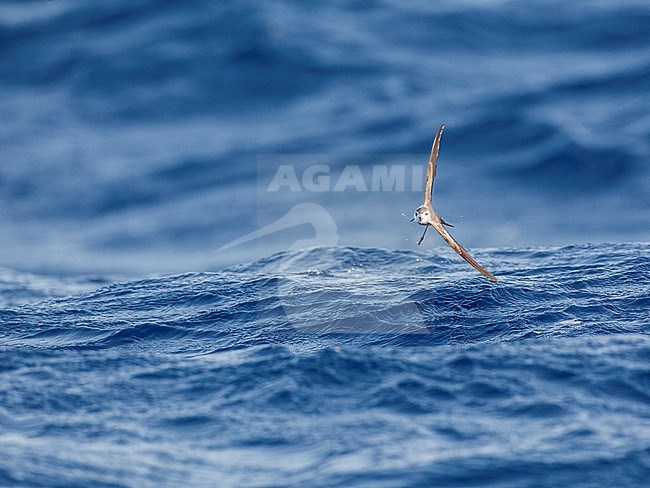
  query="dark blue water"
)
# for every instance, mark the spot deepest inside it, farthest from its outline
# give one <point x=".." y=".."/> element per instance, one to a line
<point x="337" y="367"/>
<point x="168" y="319"/>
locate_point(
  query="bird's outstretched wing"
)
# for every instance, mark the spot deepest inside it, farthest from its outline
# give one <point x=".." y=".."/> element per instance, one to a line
<point x="462" y="251"/>
<point x="432" y="166"/>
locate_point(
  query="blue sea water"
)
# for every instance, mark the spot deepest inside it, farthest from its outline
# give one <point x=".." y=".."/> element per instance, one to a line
<point x="336" y="367"/>
<point x="319" y="345"/>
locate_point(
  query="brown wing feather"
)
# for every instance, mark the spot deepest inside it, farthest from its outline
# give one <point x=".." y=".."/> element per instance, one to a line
<point x="462" y="251"/>
<point x="432" y="166"/>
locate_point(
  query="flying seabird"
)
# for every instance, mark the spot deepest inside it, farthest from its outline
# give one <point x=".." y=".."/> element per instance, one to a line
<point x="426" y="215"/>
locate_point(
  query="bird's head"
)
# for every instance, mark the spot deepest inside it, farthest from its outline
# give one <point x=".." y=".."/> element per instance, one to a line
<point x="423" y="215"/>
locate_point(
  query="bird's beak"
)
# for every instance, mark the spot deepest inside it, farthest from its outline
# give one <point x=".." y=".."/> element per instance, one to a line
<point x="412" y="219"/>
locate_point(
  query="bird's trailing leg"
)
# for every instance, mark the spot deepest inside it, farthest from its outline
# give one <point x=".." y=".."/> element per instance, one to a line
<point x="424" y="234"/>
<point x="445" y="223"/>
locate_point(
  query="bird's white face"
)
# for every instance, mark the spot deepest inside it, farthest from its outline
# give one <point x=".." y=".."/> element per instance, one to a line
<point x="422" y="215"/>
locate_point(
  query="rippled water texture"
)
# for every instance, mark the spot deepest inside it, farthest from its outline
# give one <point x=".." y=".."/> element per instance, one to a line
<point x="138" y="137"/>
<point x="338" y="367"/>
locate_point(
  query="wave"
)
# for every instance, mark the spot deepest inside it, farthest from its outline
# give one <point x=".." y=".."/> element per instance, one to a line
<point x="337" y="366"/>
<point x="133" y="136"/>
<point x="546" y="292"/>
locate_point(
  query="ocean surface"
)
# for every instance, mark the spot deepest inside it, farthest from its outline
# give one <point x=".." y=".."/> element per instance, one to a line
<point x="208" y="276"/>
<point x="335" y="367"/>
